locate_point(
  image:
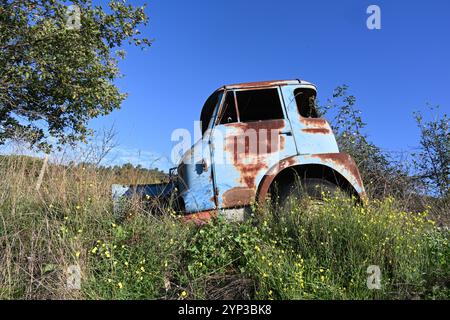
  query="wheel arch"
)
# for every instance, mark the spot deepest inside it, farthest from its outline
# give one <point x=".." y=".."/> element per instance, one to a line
<point x="330" y="170"/>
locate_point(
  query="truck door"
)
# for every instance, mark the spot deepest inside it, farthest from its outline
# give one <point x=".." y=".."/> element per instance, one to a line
<point x="195" y="171"/>
<point x="251" y="135"/>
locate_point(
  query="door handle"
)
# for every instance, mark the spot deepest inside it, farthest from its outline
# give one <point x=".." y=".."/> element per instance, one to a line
<point x="287" y="132"/>
<point x="201" y="166"/>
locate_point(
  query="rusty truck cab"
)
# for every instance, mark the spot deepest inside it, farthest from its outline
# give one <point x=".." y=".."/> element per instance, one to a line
<point x="255" y="135"/>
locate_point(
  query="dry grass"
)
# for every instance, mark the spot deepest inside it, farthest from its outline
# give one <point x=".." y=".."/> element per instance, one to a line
<point x="69" y="221"/>
<point x="42" y="230"/>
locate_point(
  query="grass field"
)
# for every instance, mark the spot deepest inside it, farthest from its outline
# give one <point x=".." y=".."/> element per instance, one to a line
<point x="318" y="253"/>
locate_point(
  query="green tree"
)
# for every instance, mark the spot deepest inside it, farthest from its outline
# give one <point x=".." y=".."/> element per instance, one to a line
<point x="57" y="71"/>
<point x="433" y="158"/>
<point x="348" y="127"/>
<point x="381" y="174"/>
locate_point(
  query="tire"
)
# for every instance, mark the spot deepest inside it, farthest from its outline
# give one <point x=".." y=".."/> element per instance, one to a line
<point x="314" y="189"/>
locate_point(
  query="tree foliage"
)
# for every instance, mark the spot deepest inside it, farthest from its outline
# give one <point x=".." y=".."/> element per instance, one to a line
<point x="383" y="173"/>
<point x="349" y="129"/>
<point x="54" y="78"/>
<point x="433" y="158"/>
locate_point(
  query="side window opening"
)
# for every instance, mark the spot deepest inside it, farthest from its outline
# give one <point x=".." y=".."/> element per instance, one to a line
<point x="306" y="102"/>
<point x="229" y="114"/>
<point x="259" y="105"/>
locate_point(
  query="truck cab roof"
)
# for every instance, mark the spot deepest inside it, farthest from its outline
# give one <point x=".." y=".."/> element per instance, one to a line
<point x="261" y="84"/>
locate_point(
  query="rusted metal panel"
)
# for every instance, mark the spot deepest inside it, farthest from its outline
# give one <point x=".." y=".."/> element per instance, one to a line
<point x="317" y="130"/>
<point x="248" y="151"/>
<point x="238" y="196"/>
<point x="312" y="135"/>
<point x="339" y="162"/>
<point x="261" y="84"/>
<point x="315" y="125"/>
<point x="254" y="159"/>
<point x="200" y="218"/>
<point x="344" y="164"/>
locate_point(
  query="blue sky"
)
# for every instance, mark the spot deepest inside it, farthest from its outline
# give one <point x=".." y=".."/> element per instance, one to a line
<point x="203" y="44"/>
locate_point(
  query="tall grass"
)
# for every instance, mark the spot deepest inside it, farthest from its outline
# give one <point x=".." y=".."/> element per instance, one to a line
<point x="321" y="252"/>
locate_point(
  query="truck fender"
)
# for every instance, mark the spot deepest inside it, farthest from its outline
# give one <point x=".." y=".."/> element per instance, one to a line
<point x="341" y="163"/>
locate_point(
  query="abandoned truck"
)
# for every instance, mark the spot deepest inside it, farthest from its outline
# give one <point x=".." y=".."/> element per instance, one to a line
<point x="259" y="140"/>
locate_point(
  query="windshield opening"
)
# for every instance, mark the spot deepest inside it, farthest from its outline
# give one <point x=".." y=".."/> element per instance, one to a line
<point x="208" y="110"/>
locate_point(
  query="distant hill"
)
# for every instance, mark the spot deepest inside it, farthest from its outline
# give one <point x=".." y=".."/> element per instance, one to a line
<point x="122" y="174"/>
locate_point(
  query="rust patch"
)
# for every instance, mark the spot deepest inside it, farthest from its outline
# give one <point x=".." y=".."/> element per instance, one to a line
<point x="200" y="218"/>
<point x="317" y="130"/>
<point x="267" y="140"/>
<point x="283" y="164"/>
<point x="273" y="172"/>
<point x="315" y="125"/>
<point x="345" y="161"/>
<point x="264" y="188"/>
<point x="268" y="124"/>
<point x="249" y="157"/>
<point x="258" y="84"/>
<point x="257" y="125"/>
<point x="314" y="122"/>
<point x="249" y="173"/>
<point x="239" y="196"/>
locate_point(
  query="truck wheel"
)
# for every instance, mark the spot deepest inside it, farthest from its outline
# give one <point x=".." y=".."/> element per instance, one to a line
<point x="315" y="189"/>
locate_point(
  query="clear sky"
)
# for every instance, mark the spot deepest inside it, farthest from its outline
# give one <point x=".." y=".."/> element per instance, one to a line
<point x="203" y="44"/>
